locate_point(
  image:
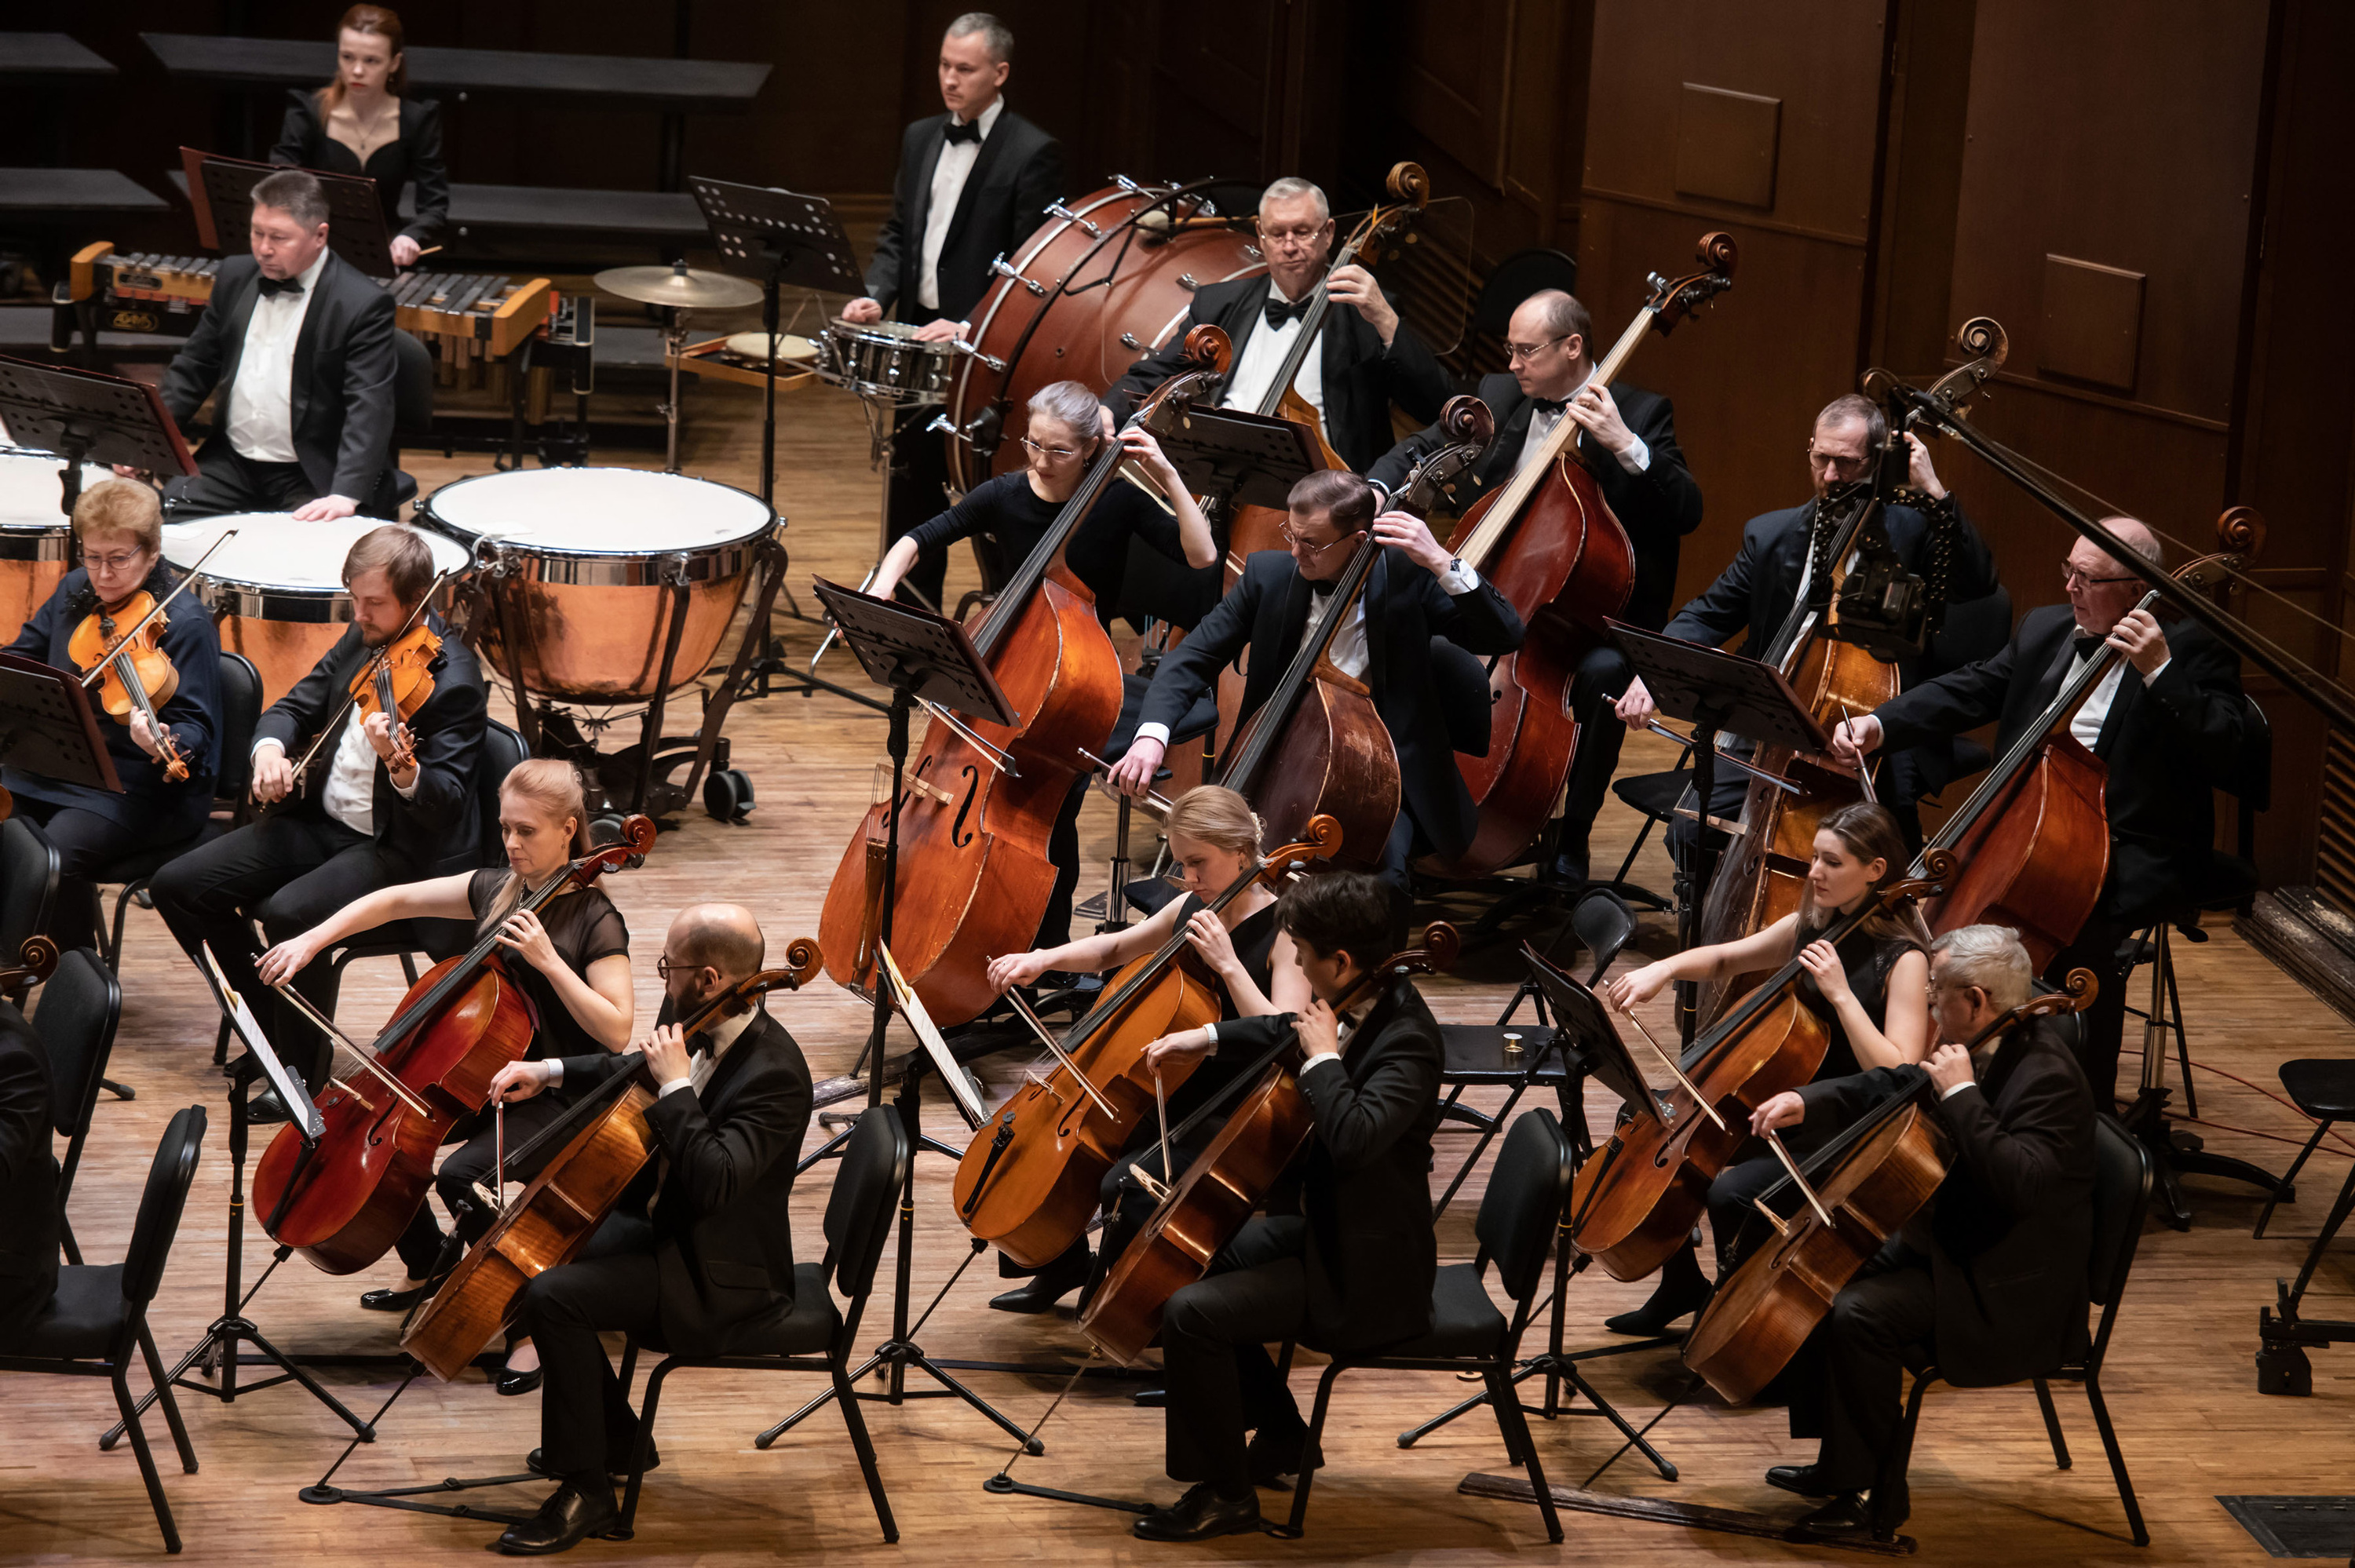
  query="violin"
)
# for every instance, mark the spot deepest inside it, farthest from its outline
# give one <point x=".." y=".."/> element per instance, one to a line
<point x="1859" y="1190"/>
<point x="605" y="1143"/>
<point x="342" y="1203"/>
<point x="128" y="666"/>
<point x="397" y="682"/>
<point x="1029" y="1179"/>
<point x="1269" y="1125"/>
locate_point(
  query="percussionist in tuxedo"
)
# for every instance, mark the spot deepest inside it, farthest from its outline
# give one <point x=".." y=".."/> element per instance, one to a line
<point x="1416" y="591"/>
<point x="2167" y="720"/>
<point x="296" y="348"/>
<point x="1627" y="439"/>
<point x="1990" y="1279"/>
<point x="974" y="182"/>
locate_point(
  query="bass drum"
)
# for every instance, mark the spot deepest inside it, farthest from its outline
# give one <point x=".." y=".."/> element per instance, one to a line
<point x="1089" y="293"/>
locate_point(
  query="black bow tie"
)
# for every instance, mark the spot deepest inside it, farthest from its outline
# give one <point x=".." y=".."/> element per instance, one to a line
<point x="1281" y="310"/>
<point x="2087" y="645"/>
<point x="274" y="287"/>
<point x="1323" y="587"/>
<point x="1550" y="405"/>
<point x="952" y="133"/>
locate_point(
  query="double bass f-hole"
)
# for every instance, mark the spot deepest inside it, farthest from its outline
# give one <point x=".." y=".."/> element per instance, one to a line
<point x="959" y="834"/>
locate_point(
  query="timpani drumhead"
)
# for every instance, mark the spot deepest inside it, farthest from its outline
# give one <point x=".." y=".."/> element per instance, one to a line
<point x="605" y="512"/>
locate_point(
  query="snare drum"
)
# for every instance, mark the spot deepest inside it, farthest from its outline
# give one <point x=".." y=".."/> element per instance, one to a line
<point x="582" y="563"/>
<point x="35" y="538"/>
<point x="277" y="589"/>
<point x="882" y="360"/>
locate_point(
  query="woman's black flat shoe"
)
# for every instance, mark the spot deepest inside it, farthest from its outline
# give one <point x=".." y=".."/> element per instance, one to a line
<point x="511" y="1383"/>
<point x="398" y="1300"/>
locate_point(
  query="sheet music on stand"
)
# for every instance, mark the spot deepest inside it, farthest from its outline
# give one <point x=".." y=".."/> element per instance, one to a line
<point x="1243" y="457"/>
<point x="1596" y="1043"/>
<point x="291" y="1092"/>
<point x="86" y="416"/>
<point x="220" y="185"/>
<point x="952" y="1072"/>
<point x="762" y="229"/>
<point x="929" y="656"/>
<point x="47" y="725"/>
<point x="1715" y="689"/>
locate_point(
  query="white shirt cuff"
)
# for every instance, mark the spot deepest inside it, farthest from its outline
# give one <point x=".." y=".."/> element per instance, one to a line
<point x="1313" y="1063"/>
<point x="674" y="1083"/>
<point x="1457" y="579"/>
<point x="2155" y="675"/>
<point x="1638" y="457"/>
<point x="267" y="740"/>
<point x="554" y="1071"/>
<point x="408" y="791"/>
<point x="1959" y="1088"/>
<point x="1159" y="732"/>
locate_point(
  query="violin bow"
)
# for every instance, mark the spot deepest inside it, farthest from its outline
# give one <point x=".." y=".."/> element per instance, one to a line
<point x="336" y="723"/>
<point x="186" y="578"/>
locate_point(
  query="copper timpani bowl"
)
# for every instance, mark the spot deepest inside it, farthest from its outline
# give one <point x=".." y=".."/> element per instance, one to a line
<point x="36" y="535"/>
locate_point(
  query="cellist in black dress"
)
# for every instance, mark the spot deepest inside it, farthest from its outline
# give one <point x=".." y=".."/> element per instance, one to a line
<point x="1214" y="838"/>
<point x="360" y="123"/>
<point x="1870" y="991"/>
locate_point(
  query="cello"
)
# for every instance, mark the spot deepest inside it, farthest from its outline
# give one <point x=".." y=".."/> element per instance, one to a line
<point x="1269" y="1125"/>
<point x="1857" y="1191"/>
<point x="1029" y="1179"/>
<point x="1638" y="1198"/>
<point x="343" y="1203"/>
<point x="981" y="798"/>
<point x="1549" y="544"/>
<point x="606" y="1144"/>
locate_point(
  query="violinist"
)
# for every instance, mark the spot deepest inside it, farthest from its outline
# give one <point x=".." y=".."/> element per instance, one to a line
<point x="119" y="527"/>
<point x="1755" y="594"/>
<point x="1416" y="591"/>
<point x="386" y="799"/>
<point x="1368" y="359"/>
<point x="2169" y="721"/>
<point x="1871" y="990"/>
<point x="1991" y="1278"/>
<point x="361" y="124"/>
<point x="1627" y="438"/>
<point x="1355" y="1267"/>
<point x="571" y="962"/>
<point x="1214" y="840"/>
<point x="700" y="1256"/>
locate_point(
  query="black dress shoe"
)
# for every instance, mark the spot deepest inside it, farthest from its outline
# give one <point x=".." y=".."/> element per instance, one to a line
<point x="1050" y="1285"/>
<point x="512" y="1383"/>
<point x="617" y="1467"/>
<point x="1149" y="1398"/>
<point x="1846" y="1517"/>
<point x="1683" y="1288"/>
<point x="566" y="1520"/>
<point x="1201" y="1514"/>
<point x="1806" y="1480"/>
<point x="399" y="1300"/>
<point x="1276" y="1453"/>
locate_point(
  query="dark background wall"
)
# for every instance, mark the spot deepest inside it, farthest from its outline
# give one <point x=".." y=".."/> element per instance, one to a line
<point x="2150" y="195"/>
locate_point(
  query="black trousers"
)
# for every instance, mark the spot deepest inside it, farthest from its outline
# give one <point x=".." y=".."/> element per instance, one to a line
<point x="920" y="489"/>
<point x="1600" y="680"/>
<point x="460" y="1180"/>
<point x="1214" y="1337"/>
<point x="86" y="841"/>
<point x="1851" y="1372"/>
<point x="226" y="480"/>
<point x="2101" y="1028"/>
<point x="615" y="1287"/>
<point x="1732" y="1208"/>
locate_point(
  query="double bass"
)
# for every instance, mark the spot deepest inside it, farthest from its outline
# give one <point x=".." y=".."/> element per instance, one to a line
<point x="606" y="1142"/>
<point x="343" y="1203"/>
<point x="980" y="799"/>
<point x="1029" y="1179"/>
<point x="1269" y="1125"/>
<point x="1549" y="544"/>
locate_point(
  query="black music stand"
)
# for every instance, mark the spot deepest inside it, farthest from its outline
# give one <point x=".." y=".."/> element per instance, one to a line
<point x="1240" y="458"/>
<point x="928" y="658"/>
<point x="46" y="727"/>
<point x="85" y="416"/>
<point x="356" y="228"/>
<point x="1716" y="692"/>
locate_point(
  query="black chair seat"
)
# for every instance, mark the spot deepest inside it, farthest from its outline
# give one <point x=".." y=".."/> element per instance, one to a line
<point x="84" y="1317"/>
<point x="2323" y="1087"/>
<point x="1200" y="720"/>
<point x="1464" y="1320"/>
<point x="1653" y="794"/>
<point x="811" y="1325"/>
<point x="139" y="865"/>
<point x="1476" y="1054"/>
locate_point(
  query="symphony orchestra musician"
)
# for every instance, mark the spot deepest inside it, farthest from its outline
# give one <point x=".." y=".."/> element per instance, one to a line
<point x="363" y="122"/>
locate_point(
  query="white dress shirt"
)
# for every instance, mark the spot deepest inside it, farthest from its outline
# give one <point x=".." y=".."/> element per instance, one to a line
<point x="261" y="398"/>
<point x="1262" y="357"/>
<point x="349" y="796"/>
<point x="1543" y="422"/>
<point x="2094" y="711"/>
<point x="949" y="176"/>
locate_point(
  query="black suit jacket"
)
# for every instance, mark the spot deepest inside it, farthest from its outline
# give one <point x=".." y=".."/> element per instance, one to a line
<point x="2012" y="1230"/>
<point x="2168" y="746"/>
<point x="303" y="141"/>
<point x="1754" y="594"/>
<point x="1362" y="379"/>
<point x="1405" y="607"/>
<point x="1018" y="173"/>
<point x="723" y="1231"/>
<point x="1657" y="507"/>
<point x="29" y="1177"/>
<point x="342" y="394"/>
<point x="1365" y="1186"/>
<point x="437" y="831"/>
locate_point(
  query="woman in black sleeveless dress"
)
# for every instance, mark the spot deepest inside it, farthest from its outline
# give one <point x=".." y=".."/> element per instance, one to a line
<point x="360" y="123"/>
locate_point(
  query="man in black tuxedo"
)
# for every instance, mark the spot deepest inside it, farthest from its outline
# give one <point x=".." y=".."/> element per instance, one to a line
<point x="974" y="182"/>
<point x="1367" y="359"/>
<point x="2169" y="722"/>
<point x="1415" y="592"/>
<point x="1754" y="595"/>
<point x="357" y="825"/>
<point x="1627" y="439"/>
<point x="1991" y="1279"/>
<point x="698" y="1258"/>
<point x="298" y="343"/>
<point x="28" y="1178"/>
<point x="1354" y="1267"/>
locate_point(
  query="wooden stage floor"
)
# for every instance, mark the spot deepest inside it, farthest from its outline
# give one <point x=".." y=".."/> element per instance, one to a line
<point x="2180" y="1379"/>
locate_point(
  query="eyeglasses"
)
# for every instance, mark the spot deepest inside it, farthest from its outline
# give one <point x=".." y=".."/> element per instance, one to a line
<point x="1303" y="238"/>
<point x="1835" y="463"/>
<point x="1060" y="454"/>
<point x="1294" y="542"/>
<point x="1514" y="351"/>
<point x="2071" y="577"/>
<point x="666" y="967"/>
<point x="116" y="563"/>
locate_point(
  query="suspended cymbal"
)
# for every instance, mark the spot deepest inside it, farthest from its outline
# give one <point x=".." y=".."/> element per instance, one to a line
<point x="679" y="287"/>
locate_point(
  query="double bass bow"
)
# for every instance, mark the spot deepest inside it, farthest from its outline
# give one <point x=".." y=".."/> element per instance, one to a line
<point x="605" y="1143"/>
<point x="343" y="1203"/>
<point x="1030" y="1177"/>
<point x="1857" y="1191"/>
<point x="1549" y="544"/>
<point x="981" y="798"/>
